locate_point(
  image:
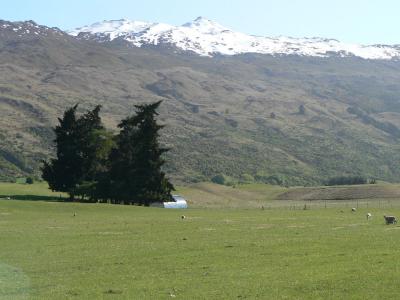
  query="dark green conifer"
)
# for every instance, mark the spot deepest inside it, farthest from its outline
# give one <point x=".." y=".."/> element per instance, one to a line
<point x="63" y="172"/>
<point x="136" y="162"/>
<point x="79" y="142"/>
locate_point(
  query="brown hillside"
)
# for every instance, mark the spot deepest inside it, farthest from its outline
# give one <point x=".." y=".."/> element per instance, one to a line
<point x="233" y="115"/>
<point x="342" y="193"/>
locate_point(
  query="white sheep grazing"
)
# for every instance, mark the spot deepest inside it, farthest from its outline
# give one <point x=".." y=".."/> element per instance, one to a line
<point x="353" y="209"/>
<point x="369" y="215"/>
<point x="183" y="217"/>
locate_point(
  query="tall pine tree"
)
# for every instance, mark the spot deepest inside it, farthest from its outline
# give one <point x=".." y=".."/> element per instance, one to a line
<point x="63" y="172"/>
<point x="135" y="164"/>
<point x="78" y="143"/>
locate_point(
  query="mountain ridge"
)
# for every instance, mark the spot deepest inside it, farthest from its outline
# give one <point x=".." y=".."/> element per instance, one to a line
<point x="208" y="38"/>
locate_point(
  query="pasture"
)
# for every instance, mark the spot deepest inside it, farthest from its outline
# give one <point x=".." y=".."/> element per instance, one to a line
<point x="237" y="252"/>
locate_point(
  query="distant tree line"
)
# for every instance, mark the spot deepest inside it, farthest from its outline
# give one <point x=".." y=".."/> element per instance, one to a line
<point x="349" y="180"/>
<point x="97" y="166"/>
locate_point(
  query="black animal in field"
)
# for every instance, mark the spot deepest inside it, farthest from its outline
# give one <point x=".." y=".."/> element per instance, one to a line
<point x="390" y="220"/>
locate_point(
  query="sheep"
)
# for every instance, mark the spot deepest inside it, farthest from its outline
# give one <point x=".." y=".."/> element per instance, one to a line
<point x="369" y="215"/>
<point x="183" y="217"/>
<point x="390" y="220"/>
<point x="353" y="209"/>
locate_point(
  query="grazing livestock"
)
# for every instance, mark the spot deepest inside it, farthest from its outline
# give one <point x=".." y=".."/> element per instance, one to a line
<point x="183" y="217"/>
<point x="353" y="209"/>
<point x="369" y="215"/>
<point x="390" y="220"/>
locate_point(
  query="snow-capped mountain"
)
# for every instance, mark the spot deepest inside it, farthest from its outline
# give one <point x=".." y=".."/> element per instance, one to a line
<point x="207" y="38"/>
<point x="28" y="28"/>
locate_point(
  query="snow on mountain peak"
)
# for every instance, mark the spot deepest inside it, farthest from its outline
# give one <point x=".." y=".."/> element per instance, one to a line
<point x="28" y="28"/>
<point x="206" y="26"/>
<point x="113" y="28"/>
<point x="207" y="38"/>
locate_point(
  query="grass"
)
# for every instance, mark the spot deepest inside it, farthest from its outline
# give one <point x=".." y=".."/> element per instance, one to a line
<point x="31" y="192"/>
<point x="252" y="196"/>
<point x="346" y="192"/>
<point x="126" y="252"/>
<point x="218" y="196"/>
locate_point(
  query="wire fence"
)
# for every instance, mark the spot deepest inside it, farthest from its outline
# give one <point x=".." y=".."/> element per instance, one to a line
<point x="339" y="204"/>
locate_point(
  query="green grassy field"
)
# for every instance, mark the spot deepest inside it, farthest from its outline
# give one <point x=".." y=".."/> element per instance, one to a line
<point x="126" y="252"/>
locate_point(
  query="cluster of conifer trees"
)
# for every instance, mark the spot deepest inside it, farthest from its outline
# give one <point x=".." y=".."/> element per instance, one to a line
<point x="95" y="165"/>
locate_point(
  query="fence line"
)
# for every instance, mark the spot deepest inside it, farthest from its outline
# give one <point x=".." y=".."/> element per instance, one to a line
<point x="327" y="204"/>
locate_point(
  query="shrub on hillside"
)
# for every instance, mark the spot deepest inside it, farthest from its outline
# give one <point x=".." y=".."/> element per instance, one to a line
<point x="246" y="178"/>
<point x="224" y="180"/>
<point x="302" y="110"/>
<point x="269" y="179"/>
<point x="219" y="179"/>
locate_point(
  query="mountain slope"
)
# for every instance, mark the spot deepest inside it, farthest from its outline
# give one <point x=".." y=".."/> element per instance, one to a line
<point x="225" y="114"/>
<point x="208" y="38"/>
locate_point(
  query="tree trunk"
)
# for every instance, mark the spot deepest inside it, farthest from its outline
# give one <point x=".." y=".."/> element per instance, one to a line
<point x="71" y="197"/>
